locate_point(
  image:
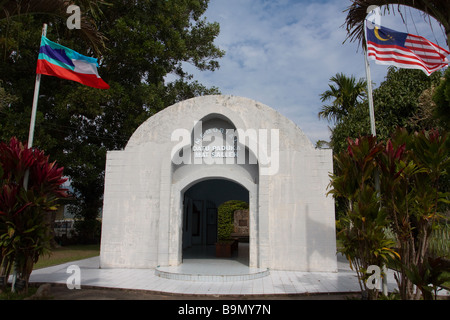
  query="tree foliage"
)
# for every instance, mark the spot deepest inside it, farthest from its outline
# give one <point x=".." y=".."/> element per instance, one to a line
<point x="88" y="11"/>
<point x="345" y="94"/>
<point x="146" y="41"/>
<point x="396" y="102"/>
<point x="441" y="98"/>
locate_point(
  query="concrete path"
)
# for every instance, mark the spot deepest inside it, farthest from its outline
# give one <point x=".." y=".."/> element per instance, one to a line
<point x="276" y="282"/>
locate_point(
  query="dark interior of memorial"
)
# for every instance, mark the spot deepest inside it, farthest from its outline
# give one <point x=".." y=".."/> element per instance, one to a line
<point x="200" y="218"/>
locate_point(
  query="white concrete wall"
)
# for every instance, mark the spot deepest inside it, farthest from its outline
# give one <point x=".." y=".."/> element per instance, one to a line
<point x="131" y="210"/>
<point x="292" y="223"/>
<point x="301" y="219"/>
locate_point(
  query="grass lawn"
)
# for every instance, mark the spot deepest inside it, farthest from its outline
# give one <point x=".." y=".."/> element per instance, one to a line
<point x="67" y="254"/>
<point x="57" y="256"/>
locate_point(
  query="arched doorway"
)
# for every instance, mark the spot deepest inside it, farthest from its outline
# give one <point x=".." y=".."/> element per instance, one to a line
<point x="201" y="202"/>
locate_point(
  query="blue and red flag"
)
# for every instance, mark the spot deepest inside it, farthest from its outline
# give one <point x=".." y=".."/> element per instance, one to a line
<point x="59" y="61"/>
<point x="404" y="50"/>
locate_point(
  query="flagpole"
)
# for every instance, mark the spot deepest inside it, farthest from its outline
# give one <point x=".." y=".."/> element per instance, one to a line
<point x="369" y="88"/>
<point x="37" y="85"/>
<point x="35" y="98"/>
<point x="30" y="140"/>
<point x="384" y="286"/>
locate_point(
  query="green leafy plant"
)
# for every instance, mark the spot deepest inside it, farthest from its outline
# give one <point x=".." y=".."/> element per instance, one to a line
<point x="25" y="207"/>
<point x="429" y="276"/>
<point x="225" y="215"/>
<point x="396" y="186"/>
<point x="412" y="166"/>
<point x="362" y="228"/>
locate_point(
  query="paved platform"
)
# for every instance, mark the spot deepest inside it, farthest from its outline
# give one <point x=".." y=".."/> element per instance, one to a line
<point x="275" y="282"/>
<point x="201" y="264"/>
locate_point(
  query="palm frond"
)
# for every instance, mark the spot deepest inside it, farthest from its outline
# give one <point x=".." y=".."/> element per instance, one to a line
<point x="344" y="93"/>
<point x="357" y="12"/>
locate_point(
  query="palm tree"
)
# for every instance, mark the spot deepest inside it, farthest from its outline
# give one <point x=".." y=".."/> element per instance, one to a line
<point x="357" y="12"/>
<point x="90" y="10"/>
<point x="344" y="95"/>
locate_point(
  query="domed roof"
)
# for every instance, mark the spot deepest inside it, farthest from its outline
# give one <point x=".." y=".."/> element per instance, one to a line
<point x="243" y="113"/>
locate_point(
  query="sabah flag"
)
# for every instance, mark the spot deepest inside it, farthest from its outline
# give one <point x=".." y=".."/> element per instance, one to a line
<point x="59" y="61"/>
<point x="404" y="50"/>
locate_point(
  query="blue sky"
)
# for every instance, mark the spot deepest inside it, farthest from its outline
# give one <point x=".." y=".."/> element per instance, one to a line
<point x="283" y="52"/>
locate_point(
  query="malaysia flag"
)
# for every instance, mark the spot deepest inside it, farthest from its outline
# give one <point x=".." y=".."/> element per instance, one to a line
<point x="404" y="50"/>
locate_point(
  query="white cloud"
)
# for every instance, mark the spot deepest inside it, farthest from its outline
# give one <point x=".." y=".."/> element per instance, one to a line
<point x="282" y="53"/>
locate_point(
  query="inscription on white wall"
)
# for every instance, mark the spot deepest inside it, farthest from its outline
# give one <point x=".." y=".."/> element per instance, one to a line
<point x="221" y="148"/>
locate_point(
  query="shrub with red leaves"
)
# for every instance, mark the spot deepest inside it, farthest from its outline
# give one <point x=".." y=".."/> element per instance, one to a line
<point x="30" y="187"/>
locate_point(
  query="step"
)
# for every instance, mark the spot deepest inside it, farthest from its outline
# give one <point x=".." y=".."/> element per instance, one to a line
<point x="211" y="271"/>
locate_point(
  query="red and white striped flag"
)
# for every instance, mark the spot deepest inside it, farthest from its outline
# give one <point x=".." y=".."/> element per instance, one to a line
<point x="404" y="50"/>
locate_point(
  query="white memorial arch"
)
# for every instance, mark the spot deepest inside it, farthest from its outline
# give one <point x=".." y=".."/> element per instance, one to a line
<point x="218" y="147"/>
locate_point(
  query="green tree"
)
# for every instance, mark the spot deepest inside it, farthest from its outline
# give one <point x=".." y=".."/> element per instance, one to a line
<point x="146" y="41"/>
<point x="5" y="98"/>
<point x="58" y="8"/>
<point x="396" y="102"/>
<point x="344" y="94"/>
<point x="441" y="98"/>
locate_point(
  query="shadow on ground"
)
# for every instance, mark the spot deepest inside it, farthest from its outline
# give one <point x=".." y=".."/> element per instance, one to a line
<point x="61" y="292"/>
